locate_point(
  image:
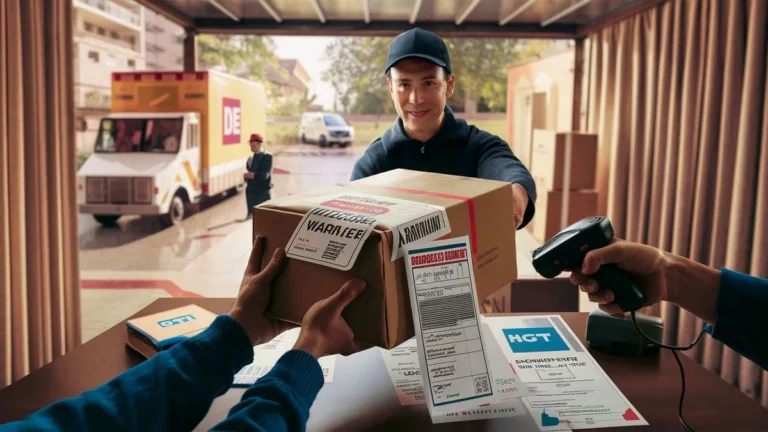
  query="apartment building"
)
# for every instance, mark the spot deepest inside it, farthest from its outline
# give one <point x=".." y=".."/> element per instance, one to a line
<point x="164" y="41"/>
<point x="116" y="35"/>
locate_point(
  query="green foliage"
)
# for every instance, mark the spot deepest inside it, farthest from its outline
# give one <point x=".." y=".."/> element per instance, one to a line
<point x="248" y="57"/>
<point x="357" y="70"/>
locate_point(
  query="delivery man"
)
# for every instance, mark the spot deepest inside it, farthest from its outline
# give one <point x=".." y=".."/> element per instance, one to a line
<point x="258" y="175"/>
<point x="427" y="137"/>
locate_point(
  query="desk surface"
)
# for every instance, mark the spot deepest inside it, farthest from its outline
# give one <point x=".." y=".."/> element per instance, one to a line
<point x="651" y="384"/>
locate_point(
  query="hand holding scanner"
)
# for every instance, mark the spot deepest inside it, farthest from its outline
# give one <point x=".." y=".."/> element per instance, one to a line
<point x="568" y="248"/>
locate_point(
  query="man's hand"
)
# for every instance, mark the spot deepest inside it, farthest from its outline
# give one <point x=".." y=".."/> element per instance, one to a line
<point x="648" y="266"/>
<point x="323" y="330"/>
<point x="521" y="203"/>
<point x="248" y="176"/>
<point x="253" y="299"/>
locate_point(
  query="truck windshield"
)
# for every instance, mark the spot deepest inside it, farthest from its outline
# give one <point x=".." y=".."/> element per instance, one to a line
<point x="160" y="135"/>
<point x="334" y="120"/>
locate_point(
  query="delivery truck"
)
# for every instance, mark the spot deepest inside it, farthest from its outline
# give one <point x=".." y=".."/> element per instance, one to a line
<point x="171" y="139"/>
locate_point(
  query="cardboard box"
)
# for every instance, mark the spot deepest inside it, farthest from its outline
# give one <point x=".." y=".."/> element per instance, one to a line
<point x="548" y="159"/>
<point x="546" y="222"/>
<point x="534" y="294"/>
<point x="481" y="209"/>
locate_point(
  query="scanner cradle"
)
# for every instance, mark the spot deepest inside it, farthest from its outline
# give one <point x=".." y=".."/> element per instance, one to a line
<point x="567" y="249"/>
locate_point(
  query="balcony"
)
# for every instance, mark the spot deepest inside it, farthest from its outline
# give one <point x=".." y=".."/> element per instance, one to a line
<point x="111" y="10"/>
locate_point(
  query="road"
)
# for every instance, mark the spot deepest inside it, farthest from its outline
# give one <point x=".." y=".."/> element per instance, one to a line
<point x="142" y="244"/>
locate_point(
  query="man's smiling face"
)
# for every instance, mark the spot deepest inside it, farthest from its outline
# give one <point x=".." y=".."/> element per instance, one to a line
<point x="419" y="89"/>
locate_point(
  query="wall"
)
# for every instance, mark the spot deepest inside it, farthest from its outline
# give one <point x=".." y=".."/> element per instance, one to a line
<point x="551" y="75"/>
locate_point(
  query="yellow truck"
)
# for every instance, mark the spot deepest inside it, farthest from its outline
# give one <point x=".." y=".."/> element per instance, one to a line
<point x="171" y="139"/>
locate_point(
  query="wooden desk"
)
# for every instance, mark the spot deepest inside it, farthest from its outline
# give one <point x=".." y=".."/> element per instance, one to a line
<point x="362" y="393"/>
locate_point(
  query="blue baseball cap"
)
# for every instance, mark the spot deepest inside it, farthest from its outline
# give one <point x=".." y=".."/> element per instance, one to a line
<point x="421" y="44"/>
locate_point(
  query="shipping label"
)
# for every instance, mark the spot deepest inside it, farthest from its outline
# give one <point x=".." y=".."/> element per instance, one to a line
<point x="353" y="215"/>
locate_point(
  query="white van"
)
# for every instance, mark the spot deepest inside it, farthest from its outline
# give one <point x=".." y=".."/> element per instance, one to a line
<point x="325" y="129"/>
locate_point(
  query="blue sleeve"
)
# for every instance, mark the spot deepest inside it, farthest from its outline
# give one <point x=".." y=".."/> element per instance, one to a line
<point x="741" y="318"/>
<point x="172" y="391"/>
<point x="365" y="166"/>
<point x="280" y="400"/>
<point x="497" y="162"/>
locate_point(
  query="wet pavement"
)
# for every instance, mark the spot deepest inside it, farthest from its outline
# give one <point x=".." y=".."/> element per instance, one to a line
<point x="127" y="266"/>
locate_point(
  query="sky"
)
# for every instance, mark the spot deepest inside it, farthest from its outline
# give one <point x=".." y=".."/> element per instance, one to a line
<point x="310" y="52"/>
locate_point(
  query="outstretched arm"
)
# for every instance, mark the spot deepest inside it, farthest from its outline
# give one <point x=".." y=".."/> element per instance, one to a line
<point x="171" y="391"/>
<point x="497" y="162"/>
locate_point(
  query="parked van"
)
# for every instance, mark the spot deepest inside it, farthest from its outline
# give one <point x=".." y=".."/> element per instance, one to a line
<point x="325" y="129"/>
<point x="171" y="139"/>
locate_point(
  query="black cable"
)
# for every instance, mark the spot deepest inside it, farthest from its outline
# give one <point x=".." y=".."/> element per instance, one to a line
<point x="674" y="350"/>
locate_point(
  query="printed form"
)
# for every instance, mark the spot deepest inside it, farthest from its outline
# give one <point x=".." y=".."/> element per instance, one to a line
<point x="333" y="232"/>
<point x="266" y="355"/>
<point x="403" y="366"/>
<point x="566" y="383"/>
<point x="456" y="370"/>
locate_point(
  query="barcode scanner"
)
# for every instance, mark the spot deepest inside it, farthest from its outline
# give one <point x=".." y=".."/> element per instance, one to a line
<point x="567" y="249"/>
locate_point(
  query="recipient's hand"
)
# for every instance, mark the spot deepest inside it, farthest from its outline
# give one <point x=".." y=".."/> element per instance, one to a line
<point x="255" y="292"/>
<point x="248" y="176"/>
<point x="323" y="330"/>
<point x="649" y="267"/>
<point x="521" y="203"/>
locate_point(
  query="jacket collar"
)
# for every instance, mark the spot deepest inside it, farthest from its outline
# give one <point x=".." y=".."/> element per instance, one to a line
<point x="396" y="136"/>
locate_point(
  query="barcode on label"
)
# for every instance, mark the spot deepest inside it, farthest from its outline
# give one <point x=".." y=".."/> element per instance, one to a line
<point x="446" y="311"/>
<point x="482" y="385"/>
<point x="333" y="251"/>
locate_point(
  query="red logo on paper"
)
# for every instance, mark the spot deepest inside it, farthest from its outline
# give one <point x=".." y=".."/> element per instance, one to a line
<point x="630" y="415"/>
<point x="231" y="120"/>
<point x="356" y="207"/>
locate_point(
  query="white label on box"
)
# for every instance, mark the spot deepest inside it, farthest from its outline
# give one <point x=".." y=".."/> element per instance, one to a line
<point x="411" y="223"/>
<point x="330" y="237"/>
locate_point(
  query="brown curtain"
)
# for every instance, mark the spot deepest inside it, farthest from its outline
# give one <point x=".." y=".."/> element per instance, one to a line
<point x="678" y="95"/>
<point x="39" y="288"/>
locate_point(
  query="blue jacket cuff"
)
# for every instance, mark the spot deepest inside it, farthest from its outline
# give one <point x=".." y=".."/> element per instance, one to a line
<point x="302" y="372"/>
<point x="224" y="336"/>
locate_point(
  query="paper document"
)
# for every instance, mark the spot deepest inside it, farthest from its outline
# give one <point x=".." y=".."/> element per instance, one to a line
<point x="333" y="232"/>
<point x="265" y="356"/>
<point x="403" y="367"/>
<point x="457" y="371"/>
<point x="566" y="383"/>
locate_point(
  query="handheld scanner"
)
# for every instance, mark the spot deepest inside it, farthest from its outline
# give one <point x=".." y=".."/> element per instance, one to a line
<point x="567" y="249"/>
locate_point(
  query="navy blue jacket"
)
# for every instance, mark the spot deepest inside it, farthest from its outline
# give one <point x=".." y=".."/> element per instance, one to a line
<point x="456" y="149"/>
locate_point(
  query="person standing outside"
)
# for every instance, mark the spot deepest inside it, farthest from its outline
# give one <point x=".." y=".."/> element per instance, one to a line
<point x="428" y="137"/>
<point x="258" y="175"/>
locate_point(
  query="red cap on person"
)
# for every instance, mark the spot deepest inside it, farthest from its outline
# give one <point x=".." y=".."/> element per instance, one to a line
<point x="256" y="137"/>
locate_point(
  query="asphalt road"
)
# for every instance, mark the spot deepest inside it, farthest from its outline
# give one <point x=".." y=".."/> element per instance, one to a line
<point x="141" y="243"/>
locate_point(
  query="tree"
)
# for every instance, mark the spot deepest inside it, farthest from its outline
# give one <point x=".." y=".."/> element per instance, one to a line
<point x="244" y="56"/>
<point x="357" y="72"/>
<point x="357" y="67"/>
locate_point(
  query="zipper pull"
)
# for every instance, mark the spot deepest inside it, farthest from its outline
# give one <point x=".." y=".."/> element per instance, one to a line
<point x="422" y="148"/>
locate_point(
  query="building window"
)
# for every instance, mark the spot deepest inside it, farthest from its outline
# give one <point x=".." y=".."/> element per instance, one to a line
<point x="131" y="39"/>
<point x="93" y="55"/>
<point x="101" y="31"/>
<point x="132" y="63"/>
<point x="114" y="35"/>
<point x="88" y="27"/>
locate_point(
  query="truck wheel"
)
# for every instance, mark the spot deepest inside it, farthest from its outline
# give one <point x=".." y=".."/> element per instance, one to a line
<point x="323" y="142"/>
<point x="175" y="212"/>
<point x="106" y="219"/>
<point x="303" y="139"/>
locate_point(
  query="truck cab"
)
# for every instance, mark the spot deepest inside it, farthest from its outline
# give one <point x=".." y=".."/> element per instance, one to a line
<point x="142" y="164"/>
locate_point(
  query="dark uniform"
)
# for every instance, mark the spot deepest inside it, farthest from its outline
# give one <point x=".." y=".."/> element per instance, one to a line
<point x="257" y="190"/>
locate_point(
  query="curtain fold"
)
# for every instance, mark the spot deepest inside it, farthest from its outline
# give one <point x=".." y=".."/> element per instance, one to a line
<point x="39" y="277"/>
<point x="682" y="120"/>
